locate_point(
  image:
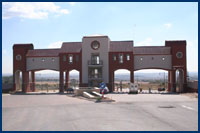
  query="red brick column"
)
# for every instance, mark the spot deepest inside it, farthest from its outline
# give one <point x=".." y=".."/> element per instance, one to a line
<point x="132" y="76"/>
<point x="80" y="78"/>
<point x="169" y="84"/>
<point x="185" y="80"/>
<point x="173" y="81"/>
<point x="61" y="85"/>
<point x="25" y="81"/>
<point x="111" y="81"/>
<point x="33" y="80"/>
<point x="14" y="80"/>
<point x="66" y="79"/>
<point x="170" y="81"/>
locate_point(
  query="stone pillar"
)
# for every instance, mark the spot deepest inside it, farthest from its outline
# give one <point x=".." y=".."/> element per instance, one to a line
<point x="173" y="81"/>
<point x="25" y="81"/>
<point x="132" y="76"/>
<point x="80" y="78"/>
<point x="185" y="80"/>
<point x="181" y="81"/>
<point x="61" y="85"/>
<point x="33" y="80"/>
<point x="169" y="85"/>
<point x="111" y="81"/>
<point x="14" y="80"/>
<point x="66" y="79"/>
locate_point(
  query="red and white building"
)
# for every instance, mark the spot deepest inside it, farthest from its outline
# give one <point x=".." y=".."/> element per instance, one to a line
<point x="97" y="58"/>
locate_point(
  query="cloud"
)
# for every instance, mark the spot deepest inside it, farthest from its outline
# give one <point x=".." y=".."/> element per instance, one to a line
<point x="72" y="3"/>
<point x="30" y="10"/>
<point x="146" y="42"/>
<point x="4" y="51"/>
<point x="168" y="25"/>
<point x="56" y="44"/>
<point x="190" y="43"/>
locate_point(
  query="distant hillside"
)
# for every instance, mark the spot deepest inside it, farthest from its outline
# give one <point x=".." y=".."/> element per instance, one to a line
<point x="122" y="76"/>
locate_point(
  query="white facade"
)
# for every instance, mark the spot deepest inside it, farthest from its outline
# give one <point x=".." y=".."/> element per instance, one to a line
<point x="103" y="51"/>
<point x="152" y="61"/>
<point x="40" y="63"/>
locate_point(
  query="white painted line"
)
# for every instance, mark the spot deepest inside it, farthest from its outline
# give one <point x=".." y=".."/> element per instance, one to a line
<point x="187" y="107"/>
<point x="5" y="94"/>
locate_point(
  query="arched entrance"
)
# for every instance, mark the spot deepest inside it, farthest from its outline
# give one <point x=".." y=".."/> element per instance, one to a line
<point x="71" y="79"/>
<point x="153" y="80"/>
<point x="18" y="81"/>
<point x="122" y="79"/>
<point x="74" y="79"/>
<point x="179" y="80"/>
<point x="47" y="81"/>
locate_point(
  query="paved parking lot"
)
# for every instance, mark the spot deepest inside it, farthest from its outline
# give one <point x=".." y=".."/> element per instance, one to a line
<point x="129" y="112"/>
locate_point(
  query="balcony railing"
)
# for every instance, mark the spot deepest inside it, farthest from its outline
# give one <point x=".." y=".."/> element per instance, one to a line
<point x="95" y="62"/>
<point x="95" y="76"/>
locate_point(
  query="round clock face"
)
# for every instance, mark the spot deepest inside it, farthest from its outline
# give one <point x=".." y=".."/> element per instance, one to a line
<point x="95" y="45"/>
<point x="18" y="57"/>
<point x="179" y="55"/>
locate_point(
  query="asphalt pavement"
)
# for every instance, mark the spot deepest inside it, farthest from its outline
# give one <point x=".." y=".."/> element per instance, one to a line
<point x="142" y="112"/>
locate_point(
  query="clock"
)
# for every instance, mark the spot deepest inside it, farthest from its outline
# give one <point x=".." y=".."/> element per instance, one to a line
<point x="95" y="45"/>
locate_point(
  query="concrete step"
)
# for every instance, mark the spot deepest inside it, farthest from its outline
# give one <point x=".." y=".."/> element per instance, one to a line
<point x="88" y="95"/>
<point x="98" y="94"/>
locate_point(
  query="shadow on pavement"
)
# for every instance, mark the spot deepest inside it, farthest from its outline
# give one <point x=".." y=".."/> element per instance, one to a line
<point x="161" y="93"/>
<point x="40" y="93"/>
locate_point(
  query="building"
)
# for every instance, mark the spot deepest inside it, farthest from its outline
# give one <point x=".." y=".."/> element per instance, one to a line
<point x="96" y="58"/>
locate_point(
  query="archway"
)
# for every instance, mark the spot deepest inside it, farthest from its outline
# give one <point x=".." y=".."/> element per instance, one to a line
<point x="153" y="80"/>
<point x="121" y="80"/>
<point x="74" y="79"/>
<point x="179" y="80"/>
<point x="47" y="81"/>
<point x="71" y="79"/>
<point x="18" y="80"/>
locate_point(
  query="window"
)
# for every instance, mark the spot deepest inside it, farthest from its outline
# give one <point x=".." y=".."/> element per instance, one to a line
<point x="77" y="58"/>
<point x="70" y="59"/>
<point x="114" y="57"/>
<point x="120" y="58"/>
<point x="64" y="58"/>
<point x="52" y="59"/>
<point x="95" y="71"/>
<point x="43" y="59"/>
<point x="95" y="59"/>
<point x="179" y="55"/>
<point x="127" y="57"/>
<point x="18" y="57"/>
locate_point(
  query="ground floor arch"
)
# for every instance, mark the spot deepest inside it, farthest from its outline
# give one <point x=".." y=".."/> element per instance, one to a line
<point x="152" y="79"/>
<point x="18" y="80"/>
<point x="47" y="81"/>
<point x="71" y="78"/>
<point x="179" y="80"/>
<point x="122" y="79"/>
<point x="74" y="78"/>
<point x="22" y="81"/>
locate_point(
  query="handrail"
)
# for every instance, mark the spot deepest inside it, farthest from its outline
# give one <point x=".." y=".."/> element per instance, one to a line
<point x="95" y="62"/>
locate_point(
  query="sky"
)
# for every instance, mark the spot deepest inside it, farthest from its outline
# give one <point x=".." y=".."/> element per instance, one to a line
<point x="48" y="24"/>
